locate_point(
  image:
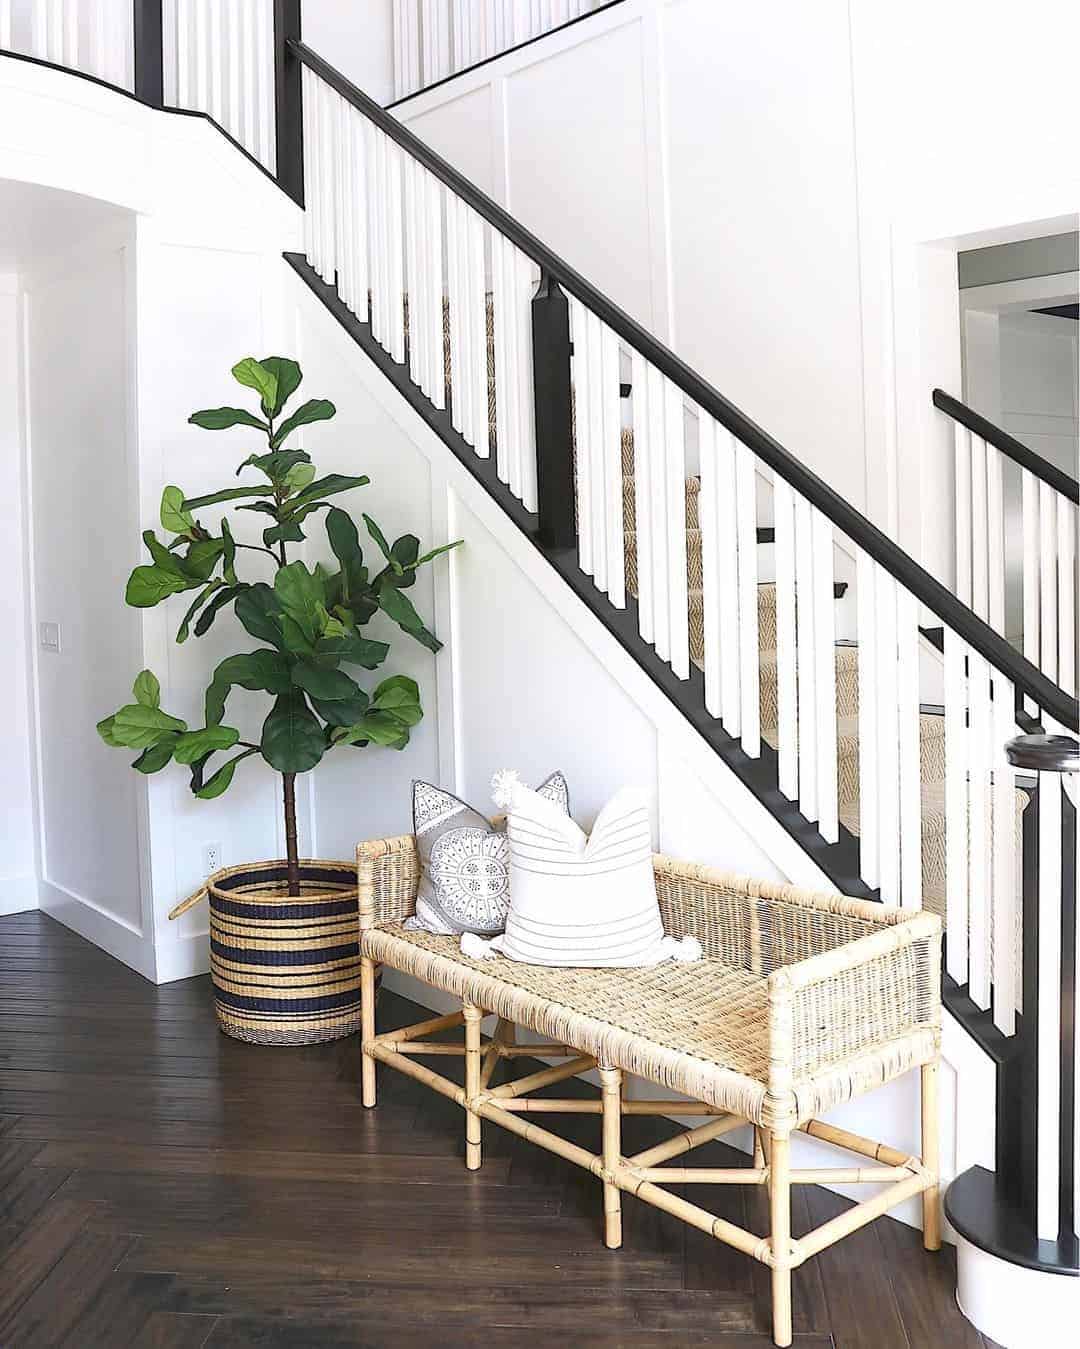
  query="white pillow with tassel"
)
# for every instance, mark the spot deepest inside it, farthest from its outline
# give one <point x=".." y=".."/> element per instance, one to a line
<point x="576" y="899"/>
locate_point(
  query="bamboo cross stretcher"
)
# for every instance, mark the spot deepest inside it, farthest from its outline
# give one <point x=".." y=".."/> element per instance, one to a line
<point x="803" y="1001"/>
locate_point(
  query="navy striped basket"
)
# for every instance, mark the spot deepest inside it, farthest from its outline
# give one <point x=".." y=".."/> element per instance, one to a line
<point x="286" y="971"/>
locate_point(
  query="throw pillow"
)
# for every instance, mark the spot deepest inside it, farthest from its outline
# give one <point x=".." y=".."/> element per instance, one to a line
<point x="465" y="861"/>
<point x="577" y="899"/>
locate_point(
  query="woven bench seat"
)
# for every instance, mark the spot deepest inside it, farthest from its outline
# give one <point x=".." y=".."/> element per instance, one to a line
<point x="801" y="1002"/>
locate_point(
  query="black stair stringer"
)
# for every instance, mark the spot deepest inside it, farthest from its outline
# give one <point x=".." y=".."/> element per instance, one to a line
<point x="839" y="861"/>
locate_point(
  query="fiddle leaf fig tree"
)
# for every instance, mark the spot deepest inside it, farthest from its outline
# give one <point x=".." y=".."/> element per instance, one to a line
<point x="306" y="622"/>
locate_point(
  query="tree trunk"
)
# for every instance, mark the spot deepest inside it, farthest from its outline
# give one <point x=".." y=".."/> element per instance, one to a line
<point x="293" y="862"/>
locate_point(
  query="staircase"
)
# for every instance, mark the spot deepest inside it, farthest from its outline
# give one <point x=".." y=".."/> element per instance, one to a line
<point x="784" y="627"/>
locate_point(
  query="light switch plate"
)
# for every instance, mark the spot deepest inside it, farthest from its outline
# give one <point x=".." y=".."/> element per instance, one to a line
<point x="50" y="636"/>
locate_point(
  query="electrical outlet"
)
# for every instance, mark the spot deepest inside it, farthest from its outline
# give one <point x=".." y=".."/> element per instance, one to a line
<point x="50" y="637"/>
<point x="211" y="858"/>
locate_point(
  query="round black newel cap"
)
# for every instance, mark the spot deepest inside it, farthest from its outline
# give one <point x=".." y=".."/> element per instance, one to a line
<point x="1044" y="753"/>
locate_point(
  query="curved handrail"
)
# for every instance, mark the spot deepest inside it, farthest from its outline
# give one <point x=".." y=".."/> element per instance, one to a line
<point x="1001" y="440"/>
<point x="993" y="647"/>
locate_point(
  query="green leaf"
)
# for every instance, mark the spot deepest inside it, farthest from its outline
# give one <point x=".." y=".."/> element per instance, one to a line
<point x="252" y="375"/>
<point x="174" y="518"/>
<point x="400" y="696"/>
<point x="261" y="670"/>
<point x="379" y="728"/>
<point x="220" y="419"/>
<point x="227" y="494"/>
<point x="314" y="410"/>
<point x="148" y="586"/>
<point x="342" y="711"/>
<point x="288" y="376"/>
<point x="299" y="592"/>
<point x="155" y="757"/>
<point x="400" y="608"/>
<point x="352" y="649"/>
<point x="198" y="602"/>
<point x="220" y="600"/>
<point x="137" y="726"/>
<point x="275" y="464"/>
<point x="220" y="781"/>
<point x="406" y="550"/>
<point x="380" y="538"/>
<point x="146" y="689"/>
<point x="289" y="532"/>
<point x="201" y="558"/>
<point x="299" y="477"/>
<point x="437" y="552"/>
<point x="292" y="738"/>
<point x="343" y="535"/>
<point x="197" y="744"/>
<point x="228" y="567"/>
<point x="322" y="682"/>
<point x="259" y="611"/>
<point x="264" y="507"/>
<point x="163" y="558"/>
<point x="322" y="488"/>
<point x="106" y="728"/>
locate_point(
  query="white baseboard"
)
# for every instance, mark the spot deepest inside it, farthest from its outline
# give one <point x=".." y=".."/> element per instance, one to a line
<point x="18" y="894"/>
<point x="183" y="958"/>
<point x="105" y="930"/>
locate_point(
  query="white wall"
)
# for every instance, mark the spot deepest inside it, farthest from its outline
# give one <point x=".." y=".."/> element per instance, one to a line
<point x="356" y="36"/>
<point x="18" y="868"/>
<point x="1039" y="376"/>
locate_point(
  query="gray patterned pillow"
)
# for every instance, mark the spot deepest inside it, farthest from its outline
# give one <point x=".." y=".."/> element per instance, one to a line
<point x="464" y="861"/>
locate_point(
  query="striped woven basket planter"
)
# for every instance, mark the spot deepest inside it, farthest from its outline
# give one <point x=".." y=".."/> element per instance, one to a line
<point x="286" y="971"/>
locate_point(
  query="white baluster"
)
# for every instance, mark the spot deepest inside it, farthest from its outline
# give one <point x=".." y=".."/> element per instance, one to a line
<point x="787" y="729"/>
<point x="433" y="247"/>
<point x="749" y="652"/>
<point x="342" y="233"/>
<point x="613" y="503"/>
<point x="410" y="37"/>
<point x="1066" y="594"/>
<point x="249" y="89"/>
<point x="478" y="329"/>
<point x="502" y="271"/>
<point x="459" y="60"/>
<point x="866" y="609"/>
<point x="486" y="29"/>
<point x="888" y="742"/>
<point x="657" y="488"/>
<point x="525" y="449"/>
<point x="39" y="30"/>
<point x="582" y="434"/>
<point x="708" y="524"/>
<point x="215" y="51"/>
<point x="234" y="41"/>
<point x="727" y="532"/>
<point x="5" y="24"/>
<point x="459" y="384"/>
<point x="1006" y="958"/>
<point x="595" y="376"/>
<point x="957" y="784"/>
<point x="400" y="86"/>
<point x="674" y="458"/>
<point x="644" y="520"/>
<point x="327" y="181"/>
<point x="1048" y="580"/>
<point x="807" y="666"/>
<point x="381" y="260"/>
<point x="995" y="530"/>
<point x="980" y="750"/>
<point x="909" y="731"/>
<point x="350" y="198"/>
<point x="70" y="34"/>
<point x="370" y="153"/>
<point x="1031" y="562"/>
<point x="394" y="209"/>
<point x="98" y="46"/>
<point x="54" y="39"/>
<point x="825" y="677"/>
<point x="311" y="228"/>
<point x="413" y="222"/>
<point x="980" y="597"/>
<point x="1048" y="1110"/>
<point x="200" y="83"/>
<point x="428" y="39"/>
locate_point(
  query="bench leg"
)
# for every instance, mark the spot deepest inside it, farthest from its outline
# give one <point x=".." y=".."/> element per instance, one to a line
<point x="367" y="1029"/>
<point x="611" y="1095"/>
<point x="780" y="1234"/>
<point x="473" y="1017"/>
<point x="931" y="1204"/>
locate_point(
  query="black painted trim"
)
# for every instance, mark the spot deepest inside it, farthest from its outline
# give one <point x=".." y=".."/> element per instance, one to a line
<point x="288" y="101"/>
<point x="149" y="57"/>
<point x="878" y="546"/>
<point x="520" y="46"/>
<point x="839" y="861"/>
<point x="127" y="93"/>
<point x="978" y="1207"/>
<point x="1001" y="440"/>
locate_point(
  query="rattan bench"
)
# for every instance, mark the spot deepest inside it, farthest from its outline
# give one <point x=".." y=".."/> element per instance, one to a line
<point x="802" y="1001"/>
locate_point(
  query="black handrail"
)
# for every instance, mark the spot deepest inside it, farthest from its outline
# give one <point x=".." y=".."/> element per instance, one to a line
<point x="956" y="615"/>
<point x="476" y="65"/>
<point x="1001" y="440"/>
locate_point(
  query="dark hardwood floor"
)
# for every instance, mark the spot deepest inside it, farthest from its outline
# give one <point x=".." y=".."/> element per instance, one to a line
<point x="162" y="1186"/>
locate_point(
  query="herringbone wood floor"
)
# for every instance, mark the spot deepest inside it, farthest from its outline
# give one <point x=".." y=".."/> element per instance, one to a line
<point x="161" y="1185"/>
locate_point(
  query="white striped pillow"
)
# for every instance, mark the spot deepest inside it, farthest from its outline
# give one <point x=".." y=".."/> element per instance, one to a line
<point x="577" y="899"/>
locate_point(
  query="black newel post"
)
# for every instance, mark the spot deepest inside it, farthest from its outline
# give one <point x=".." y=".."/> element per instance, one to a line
<point x="554" y="432"/>
<point x="288" y="114"/>
<point x="149" y="71"/>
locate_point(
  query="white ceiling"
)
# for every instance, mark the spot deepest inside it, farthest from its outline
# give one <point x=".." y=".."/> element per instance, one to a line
<point x="40" y="222"/>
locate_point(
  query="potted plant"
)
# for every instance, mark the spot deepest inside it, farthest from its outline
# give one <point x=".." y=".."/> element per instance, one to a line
<point x="284" y="958"/>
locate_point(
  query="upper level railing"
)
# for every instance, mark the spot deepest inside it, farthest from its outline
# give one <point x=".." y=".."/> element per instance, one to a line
<point x="435" y="39"/>
<point x="1016" y="526"/>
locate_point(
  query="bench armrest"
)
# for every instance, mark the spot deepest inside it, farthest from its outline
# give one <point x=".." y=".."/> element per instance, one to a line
<point x="387" y="871"/>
